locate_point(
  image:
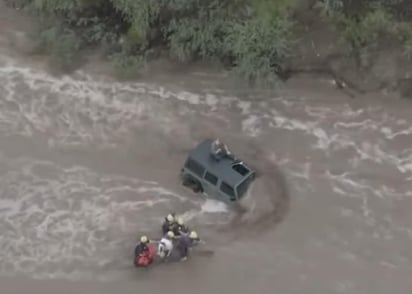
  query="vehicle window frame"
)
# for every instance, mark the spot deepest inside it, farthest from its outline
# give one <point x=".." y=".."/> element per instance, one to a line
<point x="231" y="195"/>
<point x="214" y="183"/>
<point x="195" y="171"/>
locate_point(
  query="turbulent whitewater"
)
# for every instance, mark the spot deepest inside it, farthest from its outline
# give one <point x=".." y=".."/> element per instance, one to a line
<point x="87" y="164"/>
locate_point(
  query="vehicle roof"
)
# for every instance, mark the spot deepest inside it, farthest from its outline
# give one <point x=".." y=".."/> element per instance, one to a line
<point x="221" y="168"/>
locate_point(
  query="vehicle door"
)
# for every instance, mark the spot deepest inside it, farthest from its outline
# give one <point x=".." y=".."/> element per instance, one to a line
<point x="210" y="184"/>
<point x="228" y="191"/>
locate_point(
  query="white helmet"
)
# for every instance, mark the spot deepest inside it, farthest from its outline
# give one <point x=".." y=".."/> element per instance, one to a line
<point x="180" y="221"/>
<point x="170" y="218"/>
<point x="170" y="234"/>
<point x="193" y="235"/>
<point x="144" y="239"/>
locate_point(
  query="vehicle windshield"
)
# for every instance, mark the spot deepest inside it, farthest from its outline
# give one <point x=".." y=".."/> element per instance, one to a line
<point x="242" y="188"/>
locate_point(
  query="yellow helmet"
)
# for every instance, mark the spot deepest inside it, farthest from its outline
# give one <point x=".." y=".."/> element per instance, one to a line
<point x="170" y="234"/>
<point x="193" y="235"/>
<point x="180" y="221"/>
<point x="170" y="217"/>
<point x="144" y="239"/>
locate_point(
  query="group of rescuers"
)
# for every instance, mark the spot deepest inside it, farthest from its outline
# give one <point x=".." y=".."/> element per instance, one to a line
<point x="175" y="232"/>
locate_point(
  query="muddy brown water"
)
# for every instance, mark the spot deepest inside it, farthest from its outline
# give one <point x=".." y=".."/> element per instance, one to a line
<point x="87" y="164"/>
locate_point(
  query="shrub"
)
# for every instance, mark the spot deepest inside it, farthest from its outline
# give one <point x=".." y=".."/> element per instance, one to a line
<point x="258" y="46"/>
<point x="127" y="66"/>
<point x="363" y="32"/>
<point x="250" y="36"/>
<point x="254" y="41"/>
<point x="363" y="23"/>
<point x="62" y="45"/>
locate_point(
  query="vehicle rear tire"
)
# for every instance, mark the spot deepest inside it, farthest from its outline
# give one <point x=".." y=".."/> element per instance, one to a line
<point x="197" y="188"/>
<point x="192" y="183"/>
<point x="186" y="181"/>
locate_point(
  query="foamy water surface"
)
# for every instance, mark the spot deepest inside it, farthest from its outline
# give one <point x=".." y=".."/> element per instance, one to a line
<point x="349" y="170"/>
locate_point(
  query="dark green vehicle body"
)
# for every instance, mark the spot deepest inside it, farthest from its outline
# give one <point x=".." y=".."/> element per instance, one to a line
<point x="226" y="179"/>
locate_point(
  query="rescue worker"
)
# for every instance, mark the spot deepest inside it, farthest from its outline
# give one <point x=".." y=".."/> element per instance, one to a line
<point x="186" y="242"/>
<point x="180" y="227"/>
<point x="168" y="223"/>
<point x="142" y="249"/>
<point x="165" y="247"/>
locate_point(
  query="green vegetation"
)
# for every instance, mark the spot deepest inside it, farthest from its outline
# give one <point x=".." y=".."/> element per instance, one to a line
<point x="366" y="24"/>
<point x="252" y="37"/>
<point x="249" y="36"/>
<point x="61" y="44"/>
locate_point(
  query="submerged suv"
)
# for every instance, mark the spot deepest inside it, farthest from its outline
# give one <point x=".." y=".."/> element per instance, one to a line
<point x="216" y="172"/>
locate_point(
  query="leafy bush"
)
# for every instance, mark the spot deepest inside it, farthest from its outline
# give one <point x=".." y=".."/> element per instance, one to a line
<point x="360" y="33"/>
<point x="259" y="46"/>
<point x="364" y="23"/>
<point x="253" y="41"/>
<point x="127" y="66"/>
<point x="250" y="36"/>
<point x="62" y="45"/>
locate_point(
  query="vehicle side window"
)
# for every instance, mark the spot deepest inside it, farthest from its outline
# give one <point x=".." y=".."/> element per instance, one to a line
<point x="195" y="167"/>
<point x="225" y="188"/>
<point x="211" y="178"/>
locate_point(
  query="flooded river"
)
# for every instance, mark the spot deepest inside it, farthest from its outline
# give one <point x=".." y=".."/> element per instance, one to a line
<point x="88" y="164"/>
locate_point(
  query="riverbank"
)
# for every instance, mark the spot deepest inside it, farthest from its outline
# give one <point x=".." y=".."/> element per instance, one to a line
<point x="317" y="54"/>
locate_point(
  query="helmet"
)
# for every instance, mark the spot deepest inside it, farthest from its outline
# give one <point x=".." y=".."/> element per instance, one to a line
<point x="180" y="221"/>
<point x="193" y="235"/>
<point x="144" y="239"/>
<point x="170" y="218"/>
<point x="170" y="234"/>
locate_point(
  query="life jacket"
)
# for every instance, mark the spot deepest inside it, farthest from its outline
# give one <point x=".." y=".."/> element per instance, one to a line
<point x="146" y="258"/>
